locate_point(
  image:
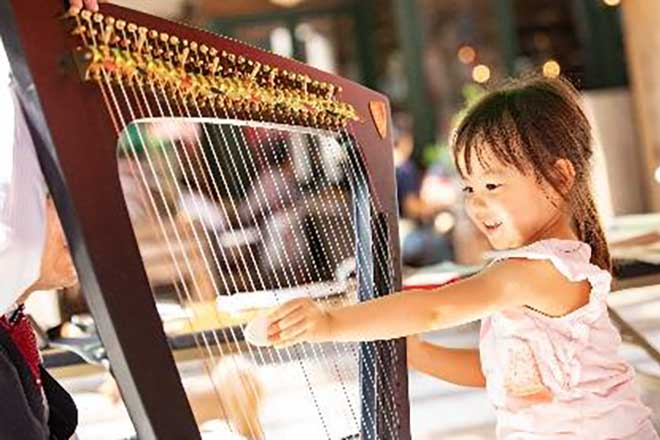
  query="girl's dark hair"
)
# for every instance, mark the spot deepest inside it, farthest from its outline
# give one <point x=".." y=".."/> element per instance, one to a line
<point x="530" y="123"/>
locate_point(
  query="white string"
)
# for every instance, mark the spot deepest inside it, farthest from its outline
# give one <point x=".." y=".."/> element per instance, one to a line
<point x="153" y="221"/>
<point x="154" y="205"/>
<point x="240" y="225"/>
<point x="234" y="123"/>
<point x="161" y="193"/>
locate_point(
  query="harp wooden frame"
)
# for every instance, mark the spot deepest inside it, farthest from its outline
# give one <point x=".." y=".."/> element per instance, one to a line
<point x="76" y="146"/>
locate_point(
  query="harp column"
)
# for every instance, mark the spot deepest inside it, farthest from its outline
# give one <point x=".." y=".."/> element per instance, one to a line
<point x="383" y="374"/>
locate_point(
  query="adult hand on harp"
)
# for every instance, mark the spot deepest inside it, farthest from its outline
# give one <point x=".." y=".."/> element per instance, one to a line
<point x="76" y="5"/>
<point x="298" y="320"/>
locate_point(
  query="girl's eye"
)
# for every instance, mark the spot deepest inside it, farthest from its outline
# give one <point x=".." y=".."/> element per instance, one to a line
<point x="492" y="186"/>
<point x="468" y="189"/>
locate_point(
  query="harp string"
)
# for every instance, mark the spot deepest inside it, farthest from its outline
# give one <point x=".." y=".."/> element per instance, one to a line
<point x="199" y="142"/>
<point x="355" y="174"/>
<point x="359" y="175"/>
<point x="200" y="118"/>
<point x="358" y="268"/>
<point x="194" y="229"/>
<point x="153" y="222"/>
<point x="289" y="266"/>
<point x="209" y="140"/>
<point x="166" y="100"/>
<point x="375" y="357"/>
<point x="206" y="262"/>
<point x="163" y="150"/>
<point x="371" y="203"/>
<point x="387" y="267"/>
<point x="371" y="351"/>
<point x="180" y="296"/>
<point x="162" y="227"/>
<point x="377" y="244"/>
<point x="179" y="192"/>
<point x="154" y="206"/>
<point x="267" y="132"/>
<point x="336" y="257"/>
<point x="303" y="273"/>
<point x="160" y="191"/>
<point x="171" y="168"/>
<point x="186" y="232"/>
<point x="303" y="369"/>
<point x="345" y="301"/>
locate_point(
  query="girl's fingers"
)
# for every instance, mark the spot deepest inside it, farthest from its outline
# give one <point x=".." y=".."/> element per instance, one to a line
<point x="285" y="309"/>
<point x="284" y="324"/>
<point x="294" y="331"/>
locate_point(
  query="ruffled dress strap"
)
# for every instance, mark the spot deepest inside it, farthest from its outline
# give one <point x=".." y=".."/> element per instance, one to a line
<point x="570" y="257"/>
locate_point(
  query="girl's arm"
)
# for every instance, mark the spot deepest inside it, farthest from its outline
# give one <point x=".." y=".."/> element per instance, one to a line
<point x="505" y="285"/>
<point x="461" y="366"/>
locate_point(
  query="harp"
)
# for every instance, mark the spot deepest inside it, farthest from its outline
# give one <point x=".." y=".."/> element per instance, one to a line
<point x="93" y="85"/>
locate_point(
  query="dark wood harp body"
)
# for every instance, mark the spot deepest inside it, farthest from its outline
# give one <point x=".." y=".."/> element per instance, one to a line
<point x="77" y="147"/>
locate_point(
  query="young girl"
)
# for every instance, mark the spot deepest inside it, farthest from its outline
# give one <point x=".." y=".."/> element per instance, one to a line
<point x="548" y="351"/>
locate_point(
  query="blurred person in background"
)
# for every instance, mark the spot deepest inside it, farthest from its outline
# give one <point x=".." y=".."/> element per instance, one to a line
<point x="421" y="198"/>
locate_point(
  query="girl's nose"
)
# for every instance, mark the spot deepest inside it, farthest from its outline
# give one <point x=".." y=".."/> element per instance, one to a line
<point x="477" y="203"/>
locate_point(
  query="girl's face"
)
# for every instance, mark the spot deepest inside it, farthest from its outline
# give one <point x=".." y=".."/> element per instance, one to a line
<point x="510" y="208"/>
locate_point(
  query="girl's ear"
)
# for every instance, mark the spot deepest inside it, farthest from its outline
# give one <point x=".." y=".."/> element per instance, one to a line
<point x="565" y="174"/>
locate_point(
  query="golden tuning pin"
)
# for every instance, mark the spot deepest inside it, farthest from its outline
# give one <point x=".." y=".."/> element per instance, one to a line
<point x="255" y="69"/>
<point x="79" y="30"/>
<point x="183" y="58"/>
<point x="215" y="65"/>
<point x="330" y="91"/>
<point x="142" y="38"/>
<point x="204" y="75"/>
<point x="107" y="34"/>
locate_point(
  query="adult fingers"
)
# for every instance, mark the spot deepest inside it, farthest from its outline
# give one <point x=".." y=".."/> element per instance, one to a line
<point x="75" y="6"/>
<point x="92" y="5"/>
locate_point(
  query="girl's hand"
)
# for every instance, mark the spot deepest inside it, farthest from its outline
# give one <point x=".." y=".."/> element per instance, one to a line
<point x="413" y="344"/>
<point x="77" y="5"/>
<point x="299" y="320"/>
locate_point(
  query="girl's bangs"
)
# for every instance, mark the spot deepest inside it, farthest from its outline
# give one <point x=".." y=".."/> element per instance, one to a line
<point x="494" y="141"/>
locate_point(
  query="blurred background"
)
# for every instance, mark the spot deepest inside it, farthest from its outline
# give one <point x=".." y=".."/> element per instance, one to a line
<point x="432" y="58"/>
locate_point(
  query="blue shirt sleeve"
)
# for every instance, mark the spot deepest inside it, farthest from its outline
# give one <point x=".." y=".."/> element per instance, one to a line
<point x="407" y="182"/>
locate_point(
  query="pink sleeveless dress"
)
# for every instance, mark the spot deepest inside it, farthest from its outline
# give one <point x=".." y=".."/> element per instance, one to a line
<point x="561" y="377"/>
